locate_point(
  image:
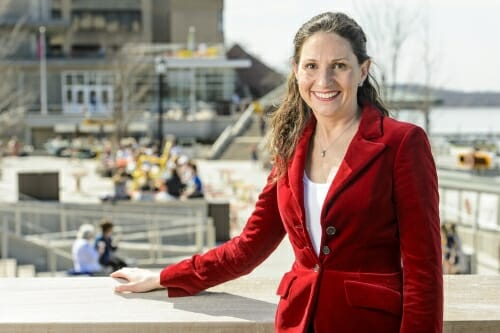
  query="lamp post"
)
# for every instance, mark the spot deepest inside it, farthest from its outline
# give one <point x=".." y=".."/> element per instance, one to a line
<point x="161" y="70"/>
<point x="43" y="71"/>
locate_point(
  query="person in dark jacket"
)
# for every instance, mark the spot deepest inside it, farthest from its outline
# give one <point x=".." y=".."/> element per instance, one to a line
<point x="175" y="186"/>
<point x="106" y="247"/>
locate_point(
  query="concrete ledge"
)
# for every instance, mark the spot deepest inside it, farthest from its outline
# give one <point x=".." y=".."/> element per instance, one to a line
<point x="77" y="305"/>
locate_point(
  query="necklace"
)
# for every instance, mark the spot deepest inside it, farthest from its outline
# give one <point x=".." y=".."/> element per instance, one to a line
<point x="323" y="150"/>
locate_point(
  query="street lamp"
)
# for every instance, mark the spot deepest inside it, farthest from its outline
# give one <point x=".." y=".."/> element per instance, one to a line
<point x="43" y="70"/>
<point x="161" y="70"/>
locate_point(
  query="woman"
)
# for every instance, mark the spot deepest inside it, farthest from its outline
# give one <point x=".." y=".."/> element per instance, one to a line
<point x="356" y="192"/>
<point x="85" y="256"/>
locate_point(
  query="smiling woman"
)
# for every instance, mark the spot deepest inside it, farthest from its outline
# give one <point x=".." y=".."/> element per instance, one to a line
<point x="362" y="219"/>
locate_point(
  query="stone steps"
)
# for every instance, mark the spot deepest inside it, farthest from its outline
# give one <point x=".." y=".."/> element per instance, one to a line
<point x="9" y="269"/>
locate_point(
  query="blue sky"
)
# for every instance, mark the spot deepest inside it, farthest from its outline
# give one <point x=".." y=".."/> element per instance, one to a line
<point x="465" y="36"/>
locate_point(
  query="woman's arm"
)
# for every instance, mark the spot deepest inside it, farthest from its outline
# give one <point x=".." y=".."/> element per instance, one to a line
<point x="417" y="208"/>
<point x="239" y="256"/>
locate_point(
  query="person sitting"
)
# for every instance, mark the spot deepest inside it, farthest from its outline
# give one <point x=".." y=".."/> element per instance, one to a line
<point x="106" y="247"/>
<point x="85" y="256"/>
<point x="174" y="184"/>
<point x="194" y="186"/>
<point x="120" y="180"/>
<point x="162" y="193"/>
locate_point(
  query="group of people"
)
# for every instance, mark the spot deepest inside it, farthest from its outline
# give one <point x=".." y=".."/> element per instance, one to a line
<point x="180" y="181"/>
<point x="95" y="255"/>
<point x="355" y="190"/>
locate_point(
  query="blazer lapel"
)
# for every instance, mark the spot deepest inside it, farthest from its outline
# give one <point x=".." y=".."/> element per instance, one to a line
<point x="297" y="167"/>
<point x="360" y="153"/>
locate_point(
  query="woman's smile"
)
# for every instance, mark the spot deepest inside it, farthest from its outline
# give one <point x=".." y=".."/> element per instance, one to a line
<point x="326" y="96"/>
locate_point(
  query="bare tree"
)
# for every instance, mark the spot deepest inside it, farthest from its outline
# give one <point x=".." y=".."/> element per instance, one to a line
<point x="431" y="65"/>
<point x="12" y="105"/>
<point x="392" y="25"/>
<point x="130" y="67"/>
<point x="389" y="24"/>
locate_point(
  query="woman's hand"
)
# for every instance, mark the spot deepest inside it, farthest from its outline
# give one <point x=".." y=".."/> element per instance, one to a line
<point x="138" y="280"/>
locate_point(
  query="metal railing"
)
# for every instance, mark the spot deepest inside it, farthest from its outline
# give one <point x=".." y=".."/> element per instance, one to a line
<point x="473" y="204"/>
<point x="470" y="200"/>
<point x="150" y="233"/>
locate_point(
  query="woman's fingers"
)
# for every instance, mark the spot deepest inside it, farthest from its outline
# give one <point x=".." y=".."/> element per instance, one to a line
<point x="121" y="273"/>
<point x="137" y="280"/>
<point x="127" y="287"/>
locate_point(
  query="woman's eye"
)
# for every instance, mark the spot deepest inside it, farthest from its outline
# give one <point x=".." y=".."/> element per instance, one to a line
<point x="310" y="66"/>
<point x="339" y="65"/>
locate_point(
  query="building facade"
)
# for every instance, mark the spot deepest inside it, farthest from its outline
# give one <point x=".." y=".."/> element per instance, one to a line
<point x="87" y="66"/>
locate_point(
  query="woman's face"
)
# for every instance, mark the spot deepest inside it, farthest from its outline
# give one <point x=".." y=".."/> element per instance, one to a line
<point x="328" y="75"/>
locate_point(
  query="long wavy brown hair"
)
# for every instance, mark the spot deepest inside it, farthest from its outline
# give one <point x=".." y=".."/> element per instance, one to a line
<point x="293" y="114"/>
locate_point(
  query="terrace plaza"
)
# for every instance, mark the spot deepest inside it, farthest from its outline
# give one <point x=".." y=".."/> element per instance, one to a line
<point x="83" y="304"/>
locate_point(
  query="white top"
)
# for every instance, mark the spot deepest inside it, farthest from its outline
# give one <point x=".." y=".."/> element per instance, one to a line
<point x="314" y="197"/>
<point x="85" y="257"/>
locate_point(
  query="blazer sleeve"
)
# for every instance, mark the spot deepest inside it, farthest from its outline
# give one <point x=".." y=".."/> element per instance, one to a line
<point x="261" y="235"/>
<point x="417" y="209"/>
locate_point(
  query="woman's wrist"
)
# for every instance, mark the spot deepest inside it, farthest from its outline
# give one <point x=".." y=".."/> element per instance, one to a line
<point x="156" y="281"/>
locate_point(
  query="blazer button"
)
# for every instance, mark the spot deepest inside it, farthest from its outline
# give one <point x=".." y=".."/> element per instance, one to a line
<point x="326" y="250"/>
<point x="331" y="230"/>
<point x="316" y="268"/>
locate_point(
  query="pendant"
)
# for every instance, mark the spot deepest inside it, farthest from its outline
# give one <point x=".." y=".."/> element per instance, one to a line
<point x="323" y="152"/>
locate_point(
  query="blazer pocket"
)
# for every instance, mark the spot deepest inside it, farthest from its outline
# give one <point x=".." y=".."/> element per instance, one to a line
<point x="285" y="284"/>
<point x="372" y="296"/>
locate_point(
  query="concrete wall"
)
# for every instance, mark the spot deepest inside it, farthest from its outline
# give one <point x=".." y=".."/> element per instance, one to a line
<point x="56" y="305"/>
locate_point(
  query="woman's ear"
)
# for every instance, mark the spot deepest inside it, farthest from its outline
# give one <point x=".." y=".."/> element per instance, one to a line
<point x="365" y="69"/>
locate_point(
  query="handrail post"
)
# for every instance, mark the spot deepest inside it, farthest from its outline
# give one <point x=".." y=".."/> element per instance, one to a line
<point x="498" y="211"/>
<point x="151" y="240"/>
<point x="63" y="226"/>
<point x="5" y="238"/>
<point x="443" y="200"/>
<point x="159" y="253"/>
<point x="199" y="232"/>
<point x="17" y="225"/>
<point x="460" y="206"/>
<point x="51" y="260"/>
<point x="476" y="212"/>
<point x="475" y="228"/>
<point x="210" y="233"/>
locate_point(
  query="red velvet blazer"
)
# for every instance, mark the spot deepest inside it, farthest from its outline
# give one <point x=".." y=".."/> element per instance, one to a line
<point x="380" y="264"/>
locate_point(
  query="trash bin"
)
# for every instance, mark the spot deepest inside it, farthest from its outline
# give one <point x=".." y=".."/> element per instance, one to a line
<point x="219" y="212"/>
<point x="42" y="186"/>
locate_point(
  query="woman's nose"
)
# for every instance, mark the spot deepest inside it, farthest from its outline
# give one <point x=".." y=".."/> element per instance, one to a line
<point x="325" y="77"/>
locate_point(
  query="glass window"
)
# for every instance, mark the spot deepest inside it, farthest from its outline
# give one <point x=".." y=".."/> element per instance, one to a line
<point x="80" y="79"/>
<point x="80" y="97"/>
<point x="69" y="96"/>
<point x="56" y="14"/>
<point x="93" y="97"/>
<point x="92" y="77"/>
<point x="104" y="97"/>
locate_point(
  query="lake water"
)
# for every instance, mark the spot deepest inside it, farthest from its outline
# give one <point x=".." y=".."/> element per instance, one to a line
<point x="448" y="121"/>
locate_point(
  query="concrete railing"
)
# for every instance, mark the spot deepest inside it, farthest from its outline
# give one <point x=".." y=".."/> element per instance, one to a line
<point x="472" y="304"/>
<point x="151" y="233"/>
